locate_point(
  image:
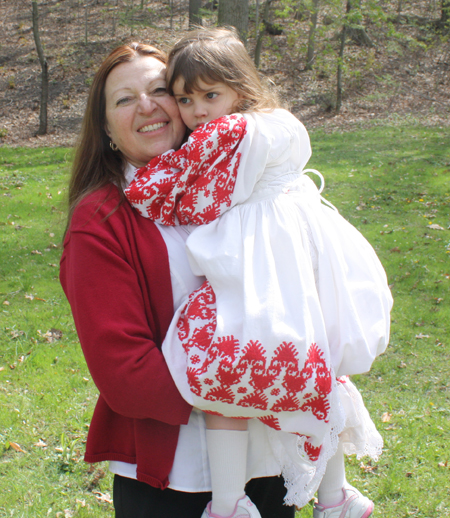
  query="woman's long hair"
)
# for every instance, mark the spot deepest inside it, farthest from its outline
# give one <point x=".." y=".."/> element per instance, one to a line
<point x="95" y="164"/>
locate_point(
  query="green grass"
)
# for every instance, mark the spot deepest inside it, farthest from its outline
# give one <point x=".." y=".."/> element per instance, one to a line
<point x="391" y="183"/>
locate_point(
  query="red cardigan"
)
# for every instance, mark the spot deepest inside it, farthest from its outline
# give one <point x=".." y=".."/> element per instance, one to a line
<point x="115" y="274"/>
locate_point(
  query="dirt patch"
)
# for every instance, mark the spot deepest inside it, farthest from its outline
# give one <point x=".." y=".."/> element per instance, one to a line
<point x="398" y="79"/>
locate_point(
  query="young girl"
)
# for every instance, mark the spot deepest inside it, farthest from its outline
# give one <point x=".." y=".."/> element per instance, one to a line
<point x="295" y="297"/>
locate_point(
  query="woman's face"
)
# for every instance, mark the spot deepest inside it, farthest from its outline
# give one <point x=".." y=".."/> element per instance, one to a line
<point x="142" y="119"/>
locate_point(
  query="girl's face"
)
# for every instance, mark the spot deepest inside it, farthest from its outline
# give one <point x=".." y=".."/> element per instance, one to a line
<point x="206" y="103"/>
<point x="142" y="119"/>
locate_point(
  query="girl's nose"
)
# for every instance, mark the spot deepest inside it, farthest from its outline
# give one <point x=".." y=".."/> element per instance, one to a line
<point x="200" y="110"/>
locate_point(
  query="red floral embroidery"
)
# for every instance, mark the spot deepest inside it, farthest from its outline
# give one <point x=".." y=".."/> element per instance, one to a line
<point x="195" y="183"/>
<point x="249" y="376"/>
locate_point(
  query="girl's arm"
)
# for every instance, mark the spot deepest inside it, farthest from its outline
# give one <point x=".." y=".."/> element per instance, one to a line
<point x="194" y="184"/>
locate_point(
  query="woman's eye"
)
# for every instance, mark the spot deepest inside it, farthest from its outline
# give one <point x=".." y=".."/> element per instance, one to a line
<point x="211" y="95"/>
<point x="122" y="100"/>
<point x="160" y="91"/>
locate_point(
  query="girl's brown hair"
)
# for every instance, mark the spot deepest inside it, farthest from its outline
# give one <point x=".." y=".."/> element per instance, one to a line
<point x="95" y="164"/>
<point x="218" y="55"/>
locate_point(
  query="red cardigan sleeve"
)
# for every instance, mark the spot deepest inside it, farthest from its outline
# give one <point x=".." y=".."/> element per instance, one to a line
<point x="115" y="274"/>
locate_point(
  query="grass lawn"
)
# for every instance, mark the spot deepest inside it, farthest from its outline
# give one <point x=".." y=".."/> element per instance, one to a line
<point x="392" y="183"/>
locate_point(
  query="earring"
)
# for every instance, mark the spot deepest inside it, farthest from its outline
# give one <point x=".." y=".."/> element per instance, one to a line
<point x="113" y="146"/>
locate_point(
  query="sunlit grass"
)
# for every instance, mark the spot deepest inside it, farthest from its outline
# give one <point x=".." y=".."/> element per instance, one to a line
<point x="393" y="184"/>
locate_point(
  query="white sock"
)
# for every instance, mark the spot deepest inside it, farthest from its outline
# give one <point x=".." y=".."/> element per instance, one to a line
<point x="227" y="450"/>
<point x="330" y="489"/>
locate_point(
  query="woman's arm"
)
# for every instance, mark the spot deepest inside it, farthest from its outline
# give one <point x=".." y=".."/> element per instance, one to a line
<point x="122" y="307"/>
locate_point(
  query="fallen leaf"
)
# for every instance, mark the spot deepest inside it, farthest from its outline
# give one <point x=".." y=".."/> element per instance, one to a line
<point x="443" y="464"/>
<point x="395" y="249"/>
<point x="5" y="303"/>
<point x="103" y="497"/>
<point x="402" y="365"/>
<point x="36" y="252"/>
<point x="435" y="226"/>
<point x="40" y="444"/>
<point x="368" y="468"/>
<point x="420" y="335"/>
<point x="16" y="447"/>
<point x="53" y="335"/>
<point x="29" y="297"/>
<point x="2" y="369"/>
<point x="386" y="417"/>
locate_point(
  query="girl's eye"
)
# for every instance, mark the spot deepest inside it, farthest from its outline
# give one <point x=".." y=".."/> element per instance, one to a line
<point x="211" y="95"/>
<point x="183" y="100"/>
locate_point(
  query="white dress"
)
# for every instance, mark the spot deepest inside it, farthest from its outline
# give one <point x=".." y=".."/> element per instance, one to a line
<point x="295" y="297"/>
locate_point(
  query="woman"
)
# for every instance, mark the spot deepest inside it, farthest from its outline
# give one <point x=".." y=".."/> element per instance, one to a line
<point x="123" y="275"/>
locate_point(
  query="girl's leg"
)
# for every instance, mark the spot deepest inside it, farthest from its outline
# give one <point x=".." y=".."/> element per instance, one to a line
<point x="330" y="489"/>
<point x="227" y="441"/>
<point x="336" y="497"/>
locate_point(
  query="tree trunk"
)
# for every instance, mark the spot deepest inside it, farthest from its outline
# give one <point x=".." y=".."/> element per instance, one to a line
<point x="171" y="13"/>
<point x="341" y="60"/>
<point x="261" y="30"/>
<point x="356" y="31"/>
<point x="444" y="22"/>
<point x="86" y="16"/>
<point x="234" y="13"/>
<point x="195" y="18"/>
<point x="312" y="35"/>
<point x="44" y="76"/>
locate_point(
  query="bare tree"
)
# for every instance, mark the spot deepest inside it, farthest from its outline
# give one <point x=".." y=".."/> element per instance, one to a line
<point x="343" y="37"/>
<point x="312" y="35"/>
<point x="44" y="76"/>
<point x="234" y="13"/>
<point x="444" y="21"/>
<point x="261" y="31"/>
<point x="195" y="17"/>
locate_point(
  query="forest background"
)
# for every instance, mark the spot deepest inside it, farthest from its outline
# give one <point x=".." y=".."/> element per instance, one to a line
<point x="394" y="65"/>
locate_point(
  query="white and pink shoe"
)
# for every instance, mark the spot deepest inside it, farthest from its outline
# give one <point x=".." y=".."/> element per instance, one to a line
<point x="354" y="505"/>
<point x="245" y="508"/>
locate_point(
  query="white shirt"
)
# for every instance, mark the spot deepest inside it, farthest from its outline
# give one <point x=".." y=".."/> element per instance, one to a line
<point x="190" y="470"/>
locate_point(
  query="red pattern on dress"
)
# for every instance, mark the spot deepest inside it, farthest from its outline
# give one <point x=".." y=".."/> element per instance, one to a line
<point x="270" y="385"/>
<point x="194" y="184"/>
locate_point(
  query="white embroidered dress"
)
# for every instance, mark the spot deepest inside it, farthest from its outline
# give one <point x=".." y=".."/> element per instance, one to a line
<point x="295" y="296"/>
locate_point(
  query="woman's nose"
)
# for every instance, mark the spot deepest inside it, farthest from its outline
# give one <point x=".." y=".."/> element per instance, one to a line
<point x="146" y="103"/>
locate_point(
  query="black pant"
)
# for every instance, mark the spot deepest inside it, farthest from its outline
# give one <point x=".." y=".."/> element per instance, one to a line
<point x="134" y="499"/>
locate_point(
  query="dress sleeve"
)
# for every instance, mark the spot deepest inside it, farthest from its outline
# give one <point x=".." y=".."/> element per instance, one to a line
<point x="118" y="333"/>
<point x="195" y="184"/>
